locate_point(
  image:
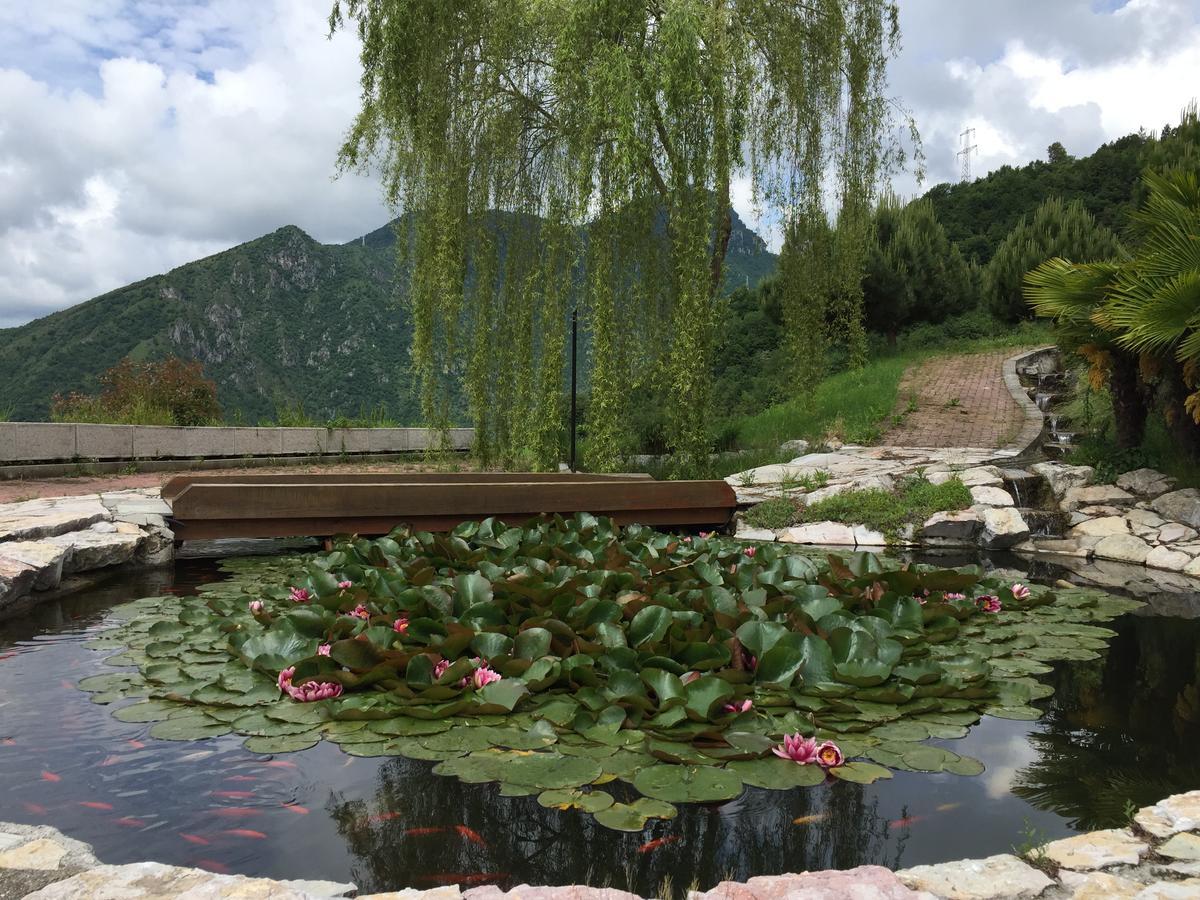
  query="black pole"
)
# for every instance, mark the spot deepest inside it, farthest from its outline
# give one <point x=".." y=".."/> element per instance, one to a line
<point x="574" y="350"/>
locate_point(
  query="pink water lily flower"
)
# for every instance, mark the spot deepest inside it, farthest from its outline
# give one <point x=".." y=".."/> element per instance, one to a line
<point x="687" y="539"/>
<point x="285" y="677"/>
<point x="324" y="649"/>
<point x="345" y="585"/>
<point x="361" y="612"/>
<point x="989" y="603"/>
<point x="951" y="595"/>
<point x="484" y="676"/>
<point x="310" y="691"/>
<point x="829" y="755"/>
<point x="1020" y="592"/>
<point x="256" y="606"/>
<point x="400" y="626"/>
<point x="750" y="551"/>
<point x="300" y="595"/>
<point x="440" y="668"/>
<point x="738" y="706"/>
<point x="797" y="748"/>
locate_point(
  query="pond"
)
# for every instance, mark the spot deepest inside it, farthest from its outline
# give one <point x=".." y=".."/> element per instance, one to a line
<point x="1119" y="731"/>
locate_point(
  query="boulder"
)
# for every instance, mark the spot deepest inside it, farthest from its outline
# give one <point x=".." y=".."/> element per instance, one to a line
<point x="747" y="533"/>
<point x="1179" y="812"/>
<point x="1164" y="558"/>
<point x="1173" y="532"/>
<point x="832" y="534"/>
<point x="1099" y="886"/>
<point x="1123" y="548"/>
<point x="1003" y="526"/>
<point x="797" y="446"/>
<point x="868" y="537"/>
<point x="87" y="550"/>
<point x="986" y="495"/>
<point x="960" y="525"/>
<point x="1095" y="495"/>
<point x="16" y="581"/>
<point x="1146" y="482"/>
<point x="1000" y="876"/>
<point x="1102" y="527"/>
<point x="46" y="557"/>
<point x="1179" y="506"/>
<point x="861" y="883"/>
<point x="147" y="880"/>
<point x="1097" y="850"/>
<point x="1062" y="477"/>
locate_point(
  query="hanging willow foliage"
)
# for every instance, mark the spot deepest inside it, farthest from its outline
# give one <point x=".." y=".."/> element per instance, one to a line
<point x="557" y="154"/>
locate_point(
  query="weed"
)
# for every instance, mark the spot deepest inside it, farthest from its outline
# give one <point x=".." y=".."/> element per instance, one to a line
<point x="129" y="469"/>
<point x="778" y="512"/>
<point x="911" y="406"/>
<point x="952" y="403"/>
<point x="747" y="479"/>
<point x="1129" y="811"/>
<point x="915" y="500"/>
<point x="1033" y="847"/>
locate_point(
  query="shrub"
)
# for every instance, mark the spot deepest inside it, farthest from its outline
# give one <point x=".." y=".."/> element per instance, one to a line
<point x="913" y="502"/>
<point x="166" y="392"/>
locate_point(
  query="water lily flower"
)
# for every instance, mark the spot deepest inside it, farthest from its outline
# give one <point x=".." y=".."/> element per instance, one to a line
<point x="256" y="606"/>
<point x="400" y="626"/>
<point x="324" y="649"/>
<point x="440" y="668"/>
<point x="951" y="595"/>
<point x="314" y="690"/>
<point x="361" y="612"/>
<point x="750" y="551"/>
<point x="285" y="678"/>
<point x="989" y="603"/>
<point x="484" y="676"/>
<point x="300" y="595"/>
<point x="797" y="748"/>
<point x="1020" y="592"/>
<point x="829" y="755"/>
<point x="345" y="585"/>
<point x="738" y="706"/>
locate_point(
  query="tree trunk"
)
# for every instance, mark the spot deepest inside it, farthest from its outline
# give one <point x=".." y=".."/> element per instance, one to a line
<point x="1183" y="428"/>
<point x="1128" y="400"/>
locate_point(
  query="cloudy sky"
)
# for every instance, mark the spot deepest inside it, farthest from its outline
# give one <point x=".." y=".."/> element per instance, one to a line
<point x="136" y="135"/>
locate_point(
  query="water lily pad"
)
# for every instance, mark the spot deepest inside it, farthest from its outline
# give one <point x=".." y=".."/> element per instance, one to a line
<point x="860" y="772"/>
<point x="189" y="728"/>
<point x="589" y="801"/>
<point x="633" y="816"/>
<point x="282" y="743"/>
<point x="776" y="774"/>
<point x="683" y="783"/>
<point x="547" y="771"/>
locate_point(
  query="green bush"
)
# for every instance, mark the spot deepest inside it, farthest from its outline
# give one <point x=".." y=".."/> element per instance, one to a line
<point x="889" y="511"/>
<point x="774" y="514"/>
<point x="167" y="392"/>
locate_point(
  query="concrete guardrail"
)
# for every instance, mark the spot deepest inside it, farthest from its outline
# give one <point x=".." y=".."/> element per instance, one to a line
<point x="40" y="442"/>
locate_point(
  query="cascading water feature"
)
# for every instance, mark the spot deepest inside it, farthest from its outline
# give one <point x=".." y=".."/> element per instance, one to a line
<point x="1048" y="389"/>
<point x="1035" y="502"/>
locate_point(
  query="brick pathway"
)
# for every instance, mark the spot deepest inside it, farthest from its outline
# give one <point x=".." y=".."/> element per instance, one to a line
<point x="961" y="401"/>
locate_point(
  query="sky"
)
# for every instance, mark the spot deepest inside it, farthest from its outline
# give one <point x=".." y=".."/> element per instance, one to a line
<point x="137" y="135"/>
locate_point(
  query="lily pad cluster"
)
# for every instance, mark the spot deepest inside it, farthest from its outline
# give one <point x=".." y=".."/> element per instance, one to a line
<point x="607" y="654"/>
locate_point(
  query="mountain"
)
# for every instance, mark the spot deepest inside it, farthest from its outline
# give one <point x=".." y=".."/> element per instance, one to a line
<point x="279" y="320"/>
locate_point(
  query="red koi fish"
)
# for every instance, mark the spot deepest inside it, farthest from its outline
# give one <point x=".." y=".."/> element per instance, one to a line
<point x="96" y="804"/>
<point x="235" y="812"/>
<point x="470" y="834"/>
<point x="905" y="822"/>
<point x="35" y="808"/>
<point x="808" y="820"/>
<point x="245" y="833"/>
<point x="658" y="842"/>
<point x="7" y="656"/>
<point x="130" y="822"/>
<point x="50" y="776"/>
<point x="213" y="866"/>
<point x="194" y="839"/>
<point x="233" y="795"/>
<point x="463" y="877"/>
<point x="382" y="817"/>
<point x="296" y="808"/>
<point x="422" y="832"/>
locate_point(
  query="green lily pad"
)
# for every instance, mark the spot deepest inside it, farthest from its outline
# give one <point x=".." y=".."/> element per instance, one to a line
<point x="684" y="784"/>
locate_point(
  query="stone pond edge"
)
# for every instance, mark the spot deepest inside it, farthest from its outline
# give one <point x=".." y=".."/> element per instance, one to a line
<point x="1157" y="857"/>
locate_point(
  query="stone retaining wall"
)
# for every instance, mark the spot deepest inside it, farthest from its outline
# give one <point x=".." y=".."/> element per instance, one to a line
<point x="40" y="442"/>
<point x="1156" y="858"/>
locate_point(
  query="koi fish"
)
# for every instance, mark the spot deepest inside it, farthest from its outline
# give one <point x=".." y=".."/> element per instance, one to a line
<point x="383" y="817"/>
<point x="233" y="795"/>
<point x="421" y="832"/>
<point x="470" y="834"/>
<point x="296" y="808"/>
<point x="96" y="804"/>
<point x="136" y="745"/>
<point x="7" y="656"/>
<point x="111" y="760"/>
<point x="194" y="839"/>
<point x="905" y="822"/>
<point x="946" y="807"/>
<point x="245" y="833"/>
<point x="658" y="842"/>
<point x="67" y="685"/>
<point x="8" y="742"/>
<point x="130" y="822"/>
<point x="463" y="877"/>
<point x="50" y="776"/>
<point x="213" y="866"/>
<point x="36" y="808"/>
<point x="280" y="764"/>
<point x="241" y="778"/>
<point x="193" y="757"/>
<point x="809" y="820"/>
<point x="233" y="812"/>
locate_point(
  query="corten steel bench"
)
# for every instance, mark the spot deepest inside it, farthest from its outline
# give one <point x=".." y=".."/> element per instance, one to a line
<point x="323" y="505"/>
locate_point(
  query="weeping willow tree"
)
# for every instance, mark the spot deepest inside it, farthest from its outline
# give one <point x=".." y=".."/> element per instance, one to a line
<point x="561" y="154"/>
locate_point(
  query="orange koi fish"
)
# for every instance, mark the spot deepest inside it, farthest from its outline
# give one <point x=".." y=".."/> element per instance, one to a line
<point x="809" y="820"/>
<point x="421" y="832"/>
<point x="233" y="795"/>
<point x="241" y="778"/>
<point x="213" y="866"/>
<point x="194" y="839"/>
<point x="905" y="822"/>
<point x="136" y="745"/>
<point x="233" y="812"/>
<point x="130" y="822"/>
<point x="8" y="742"/>
<point x="946" y="807"/>
<point x="470" y="834"/>
<point x="245" y="833"/>
<point x="50" y="776"/>
<point x="658" y="842"/>
<point x="383" y="817"/>
<point x="296" y="808"/>
<point x="111" y="760"/>
<point x="36" y="808"/>
<point x="96" y="804"/>
<point x="280" y="764"/>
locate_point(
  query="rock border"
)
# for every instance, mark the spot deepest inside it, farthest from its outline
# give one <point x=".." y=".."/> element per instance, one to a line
<point x="1156" y="858"/>
<point x="1035" y="419"/>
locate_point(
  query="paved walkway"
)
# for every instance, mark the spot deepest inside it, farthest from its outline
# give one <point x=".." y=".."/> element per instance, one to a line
<point x="961" y="401"/>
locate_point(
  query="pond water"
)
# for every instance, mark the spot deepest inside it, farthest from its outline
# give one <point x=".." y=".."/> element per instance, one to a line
<point x="1118" y="731"/>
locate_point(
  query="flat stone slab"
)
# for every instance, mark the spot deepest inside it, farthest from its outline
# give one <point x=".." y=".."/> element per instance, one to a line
<point x="87" y="550"/>
<point x="1188" y="889"/>
<point x="446" y="892"/>
<point x="552" y="892"/>
<point x="832" y="534"/>
<point x="1097" y="850"/>
<point x="1099" y="886"/>
<point x="42" y="854"/>
<point x="21" y="526"/>
<point x="44" y="556"/>
<point x="155" y="881"/>
<point x="996" y="877"/>
<point x="988" y="495"/>
<point x="1180" y="812"/>
<point x="862" y="883"/>
<point x="1182" y="846"/>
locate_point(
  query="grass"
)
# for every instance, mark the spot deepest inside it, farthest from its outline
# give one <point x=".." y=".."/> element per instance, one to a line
<point x="774" y="514"/>
<point x="888" y="512"/>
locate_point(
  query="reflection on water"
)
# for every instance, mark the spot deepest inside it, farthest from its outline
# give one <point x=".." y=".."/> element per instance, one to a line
<point x="1118" y="729"/>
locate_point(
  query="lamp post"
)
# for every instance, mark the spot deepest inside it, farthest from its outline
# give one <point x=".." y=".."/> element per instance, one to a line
<point x="574" y="352"/>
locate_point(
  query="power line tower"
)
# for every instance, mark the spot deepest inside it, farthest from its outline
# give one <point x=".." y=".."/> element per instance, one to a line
<point x="966" y="146"/>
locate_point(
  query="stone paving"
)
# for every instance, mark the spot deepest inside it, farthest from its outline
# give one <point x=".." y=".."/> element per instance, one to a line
<point x="961" y="401"/>
<point x="1156" y="858"/>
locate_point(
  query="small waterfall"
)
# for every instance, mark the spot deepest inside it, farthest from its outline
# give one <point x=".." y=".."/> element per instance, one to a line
<point x="1043" y="401"/>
